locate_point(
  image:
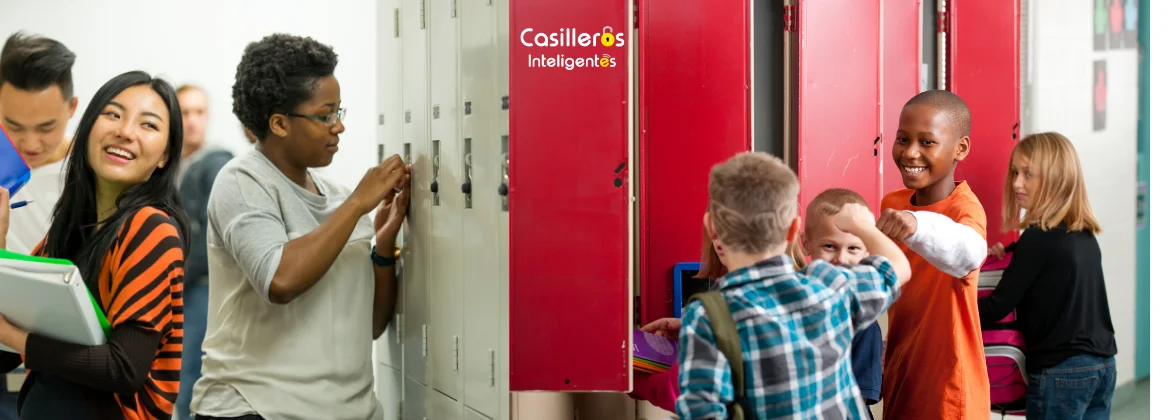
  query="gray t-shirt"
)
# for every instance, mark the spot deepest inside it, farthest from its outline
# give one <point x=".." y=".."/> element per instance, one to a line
<point x="310" y="358"/>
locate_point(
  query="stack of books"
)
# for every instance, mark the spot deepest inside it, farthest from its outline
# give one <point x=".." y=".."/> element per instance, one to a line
<point x="653" y="354"/>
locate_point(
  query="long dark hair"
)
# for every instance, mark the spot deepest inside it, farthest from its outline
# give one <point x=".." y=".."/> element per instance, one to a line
<point x="71" y="234"/>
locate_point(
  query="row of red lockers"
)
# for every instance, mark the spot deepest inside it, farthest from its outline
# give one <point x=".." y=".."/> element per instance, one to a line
<point x="857" y="64"/>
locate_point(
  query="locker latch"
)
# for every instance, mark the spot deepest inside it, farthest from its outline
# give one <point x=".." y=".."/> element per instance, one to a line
<point x="424" y="341"/>
<point x="455" y="353"/>
<point x="504" y="102"/>
<point x="466" y="187"/>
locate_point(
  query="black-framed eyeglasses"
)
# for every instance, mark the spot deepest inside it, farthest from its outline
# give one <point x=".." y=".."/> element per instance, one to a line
<point x="329" y="120"/>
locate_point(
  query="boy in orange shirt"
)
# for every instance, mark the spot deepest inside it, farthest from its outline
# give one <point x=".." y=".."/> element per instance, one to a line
<point x="934" y="362"/>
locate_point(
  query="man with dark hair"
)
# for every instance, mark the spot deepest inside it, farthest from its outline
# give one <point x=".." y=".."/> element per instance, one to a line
<point x="36" y="102"/>
<point x="199" y="167"/>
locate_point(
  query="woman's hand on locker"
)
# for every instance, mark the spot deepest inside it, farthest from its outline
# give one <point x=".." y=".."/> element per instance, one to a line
<point x="378" y="184"/>
<point x="391" y="214"/>
<point x="665" y="327"/>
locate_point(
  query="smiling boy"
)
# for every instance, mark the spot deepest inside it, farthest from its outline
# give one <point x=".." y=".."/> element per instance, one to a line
<point x="934" y="363"/>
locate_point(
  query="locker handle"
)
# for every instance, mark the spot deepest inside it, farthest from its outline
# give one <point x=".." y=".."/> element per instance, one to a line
<point x="503" y="190"/>
<point x="435" y="187"/>
<point x="466" y="188"/>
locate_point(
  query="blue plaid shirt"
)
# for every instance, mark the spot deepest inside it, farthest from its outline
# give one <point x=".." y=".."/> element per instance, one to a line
<point x="795" y="330"/>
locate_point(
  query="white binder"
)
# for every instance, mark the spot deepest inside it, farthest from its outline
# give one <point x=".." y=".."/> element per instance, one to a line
<point x="48" y="297"/>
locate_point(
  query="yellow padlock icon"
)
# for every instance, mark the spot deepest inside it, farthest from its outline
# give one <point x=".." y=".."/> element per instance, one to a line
<point x="607" y="37"/>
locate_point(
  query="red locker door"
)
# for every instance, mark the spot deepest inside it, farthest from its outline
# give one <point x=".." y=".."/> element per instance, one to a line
<point x="695" y="112"/>
<point x="983" y="68"/>
<point x="839" y="106"/>
<point x="570" y="296"/>
<point x="901" y="70"/>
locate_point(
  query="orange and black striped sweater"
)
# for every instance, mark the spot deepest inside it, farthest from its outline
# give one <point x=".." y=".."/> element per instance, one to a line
<point x="136" y="374"/>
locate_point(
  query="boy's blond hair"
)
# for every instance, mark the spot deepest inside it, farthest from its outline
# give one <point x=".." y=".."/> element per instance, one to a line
<point x="1062" y="197"/>
<point x="829" y="202"/>
<point x="753" y="200"/>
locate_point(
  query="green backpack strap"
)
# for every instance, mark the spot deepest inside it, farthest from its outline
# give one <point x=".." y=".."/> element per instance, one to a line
<point x="727" y="340"/>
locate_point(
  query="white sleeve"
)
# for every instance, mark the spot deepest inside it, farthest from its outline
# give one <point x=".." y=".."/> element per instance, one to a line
<point x="952" y="247"/>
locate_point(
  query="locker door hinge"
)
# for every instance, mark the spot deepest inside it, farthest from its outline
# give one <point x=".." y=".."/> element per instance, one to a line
<point x="398" y="328"/>
<point x="422" y="14"/>
<point x="455" y="353"/>
<point x="396" y="28"/>
<point x="454" y="8"/>
<point x="790" y="17"/>
<point x="635" y="14"/>
<point x="401" y="408"/>
<point x="424" y="341"/>
<point x="492" y="368"/>
<point x="877" y="144"/>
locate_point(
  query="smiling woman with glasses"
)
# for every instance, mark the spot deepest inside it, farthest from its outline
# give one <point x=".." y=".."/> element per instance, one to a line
<point x="297" y="293"/>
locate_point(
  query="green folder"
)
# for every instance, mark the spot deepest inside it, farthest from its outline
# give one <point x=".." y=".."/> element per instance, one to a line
<point x="101" y="316"/>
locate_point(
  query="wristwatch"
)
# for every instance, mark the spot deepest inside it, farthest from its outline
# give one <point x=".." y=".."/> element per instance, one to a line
<point x="381" y="261"/>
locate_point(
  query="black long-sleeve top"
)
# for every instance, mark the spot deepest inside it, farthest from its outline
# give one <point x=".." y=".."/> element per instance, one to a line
<point x="1057" y="287"/>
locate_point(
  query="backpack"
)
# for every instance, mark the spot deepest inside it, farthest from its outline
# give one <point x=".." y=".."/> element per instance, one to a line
<point x="1003" y="347"/>
<point x="727" y="340"/>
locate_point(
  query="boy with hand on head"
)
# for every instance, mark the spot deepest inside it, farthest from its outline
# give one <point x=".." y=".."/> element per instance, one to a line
<point x="934" y="364"/>
<point x="824" y="241"/>
<point x="793" y="327"/>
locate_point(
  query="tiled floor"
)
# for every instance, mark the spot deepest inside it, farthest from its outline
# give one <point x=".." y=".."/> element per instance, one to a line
<point x="1132" y="401"/>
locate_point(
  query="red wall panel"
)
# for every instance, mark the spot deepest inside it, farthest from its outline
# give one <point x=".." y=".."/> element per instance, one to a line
<point x="569" y="242"/>
<point x="901" y="70"/>
<point x="839" y="120"/>
<point x="983" y="68"/>
<point x="695" y="112"/>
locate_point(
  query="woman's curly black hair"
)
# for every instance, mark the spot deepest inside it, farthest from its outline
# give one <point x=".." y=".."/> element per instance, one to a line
<point x="275" y="75"/>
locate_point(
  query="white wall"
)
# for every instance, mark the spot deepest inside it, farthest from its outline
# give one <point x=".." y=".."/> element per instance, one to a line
<point x="1062" y="102"/>
<point x="176" y="40"/>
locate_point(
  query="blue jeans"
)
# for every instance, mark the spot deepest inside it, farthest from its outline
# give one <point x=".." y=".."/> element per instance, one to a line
<point x="1081" y="387"/>
<point x="194" y="328"/>
<point x="7" y="401"/>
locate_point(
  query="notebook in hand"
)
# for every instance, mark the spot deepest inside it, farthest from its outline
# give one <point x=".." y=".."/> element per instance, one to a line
<point x="653" y="354"/>
<point x="14" y="172"/>
<point x="47" y="296"/>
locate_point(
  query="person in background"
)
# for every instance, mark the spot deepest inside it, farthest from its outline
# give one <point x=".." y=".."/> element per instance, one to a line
<point x="120" y="223"/>
<point x="297" y="293"/>
<point x="198" y="169"/>
<point x="36" y="103"/>
<point x="1055" y="283"/>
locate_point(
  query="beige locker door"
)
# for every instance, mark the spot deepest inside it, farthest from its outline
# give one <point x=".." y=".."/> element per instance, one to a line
<point x="388" y="388"/>
<point x="501" y="62"/>
<point x="442" y="407"/>
<point x="388" y="74"/>
<point x="469" y="414"/>
<point x="447" y="205"/>
<point x="481" y="171"/>
<point x="415" y="405"/>
<point x="415" y="119"/>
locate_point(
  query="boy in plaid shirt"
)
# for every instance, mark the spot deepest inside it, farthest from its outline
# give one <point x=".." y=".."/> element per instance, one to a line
<point x="795" y="327"/>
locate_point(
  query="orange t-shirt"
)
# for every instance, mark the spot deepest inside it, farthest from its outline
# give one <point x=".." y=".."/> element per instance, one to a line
<point x="934" y="363"/>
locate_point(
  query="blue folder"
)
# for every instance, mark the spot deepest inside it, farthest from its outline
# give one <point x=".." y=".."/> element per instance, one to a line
<point x="14" y="172"/>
